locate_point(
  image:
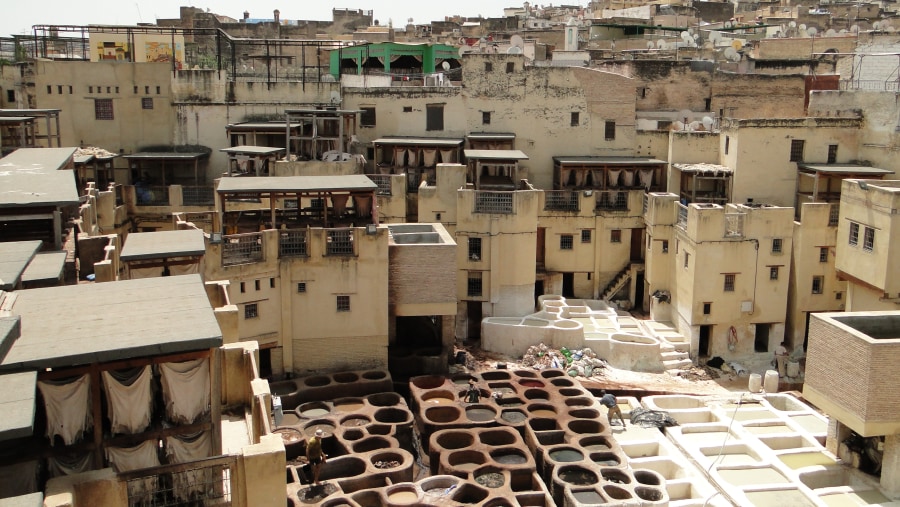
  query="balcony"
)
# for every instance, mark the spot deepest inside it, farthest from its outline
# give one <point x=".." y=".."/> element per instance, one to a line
<point x="339" y="242"/>
<point x="681" y="221"/>
<point x="383" y="181"/>
<point x="242" y="249"/>
<point x="198" y="196"/>
<point x="293" y="244"/>
<point x="560" y="200"/>
<point x="612" y="200"/>
<point x="493" y="202"/>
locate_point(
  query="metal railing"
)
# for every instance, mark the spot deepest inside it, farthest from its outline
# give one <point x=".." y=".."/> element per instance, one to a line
<point x="383" y="181"/>
<point x="203" y="482"/>
<point x="734" y="225"/>
<point x="681" y="221"/>
<point x="869" y="84"/>
<point x="153" y="195"/>
<point x="119" y="191"/>
<point x="645" y="204"/>
<point x="493" y="202"/>
<point x="339" y="242"/>
<point x="561" y="200"/>
<point x="293" y="244"/>
<point x="198" y="196"/>
<point x="612" y="200"/>
<point x="242" y="249"/>
<point x="834" y="214"/>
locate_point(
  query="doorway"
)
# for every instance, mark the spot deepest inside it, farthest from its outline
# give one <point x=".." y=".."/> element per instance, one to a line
<point x="541" y="248"/>
<point x="473" y="321"/>
<point x="705" y="332"/>
<point x="538" y="291"/>
<point x="568" y="289"/>
<point x="761" y="340"/>
<point x="637" y="245"/>
<point x="639" y="291"/>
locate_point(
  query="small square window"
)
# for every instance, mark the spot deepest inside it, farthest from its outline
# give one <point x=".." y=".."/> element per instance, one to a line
<point x="59" y="89"/>
<point x="838" y="295"/>
<point x="823" y="254"/>
<point x="117" y="89"/>
<point x="585" y="235"/>
<point x="776" y="245"/>
<point x="485" y="117"/>
<point x="615" y="236"/>
<point x="609" y="131"/>
<point x="488" y="67"/>
<point x="271" y="283"/>
<point x="565" y="242"/>
<point x="407" y="109"/>
<point x="854" y="234"/>
<point x="301" y="287"/>
<point x="729" y="283"/>
<point x="243" y="287"/>
<point x="256" y="284"/>
<point x="90" y="89"/>
<point x="474" y="284"/>
<point x="147" y="103"/>
<point x="869" y="239"/>
<point x="665" y="246"/>
<point x="10" y="95"/>
<point x="510" y="67"/>
<point x="343" y="303"/>
<point x="818" y="283"/>
<point x="687" y="259"/>
<point x="574" y="120"/>
<point x="251" y="311"/>
<point x="437" y="217"/>
<point x="108" y="89"/>
<point x="475" y="249"/>
<point x="103" y="109"/>
<point x="707" y="308"/>
<point x="773" y="273"/>
<point x="367" y="117"/>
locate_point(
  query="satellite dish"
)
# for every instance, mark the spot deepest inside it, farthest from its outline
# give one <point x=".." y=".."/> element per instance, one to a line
<point x="843" y="30"/>
<point x="802" y="26"/>
<point x="650" y="44"/>
<point x="661" y="44"/>
<point x="736" y="44"/>
<point x="830" y="33"/>
<point x="792" y="24"/>
<point x="690" y="31"/>
<point x="678" y="125"/>
<point x="854" y="29"/>
<point x="694" y="125"/>
<point x="517" y="41"/>
<point x="514" y="51"/>
<point x="335" y="97"/>
<point x="730" y="54"/>
<point x="445" y="65"/>
<point x="707" y="123"/>
<point x="715" y="36"/>
<point x="685" y="113"/>
<point x="876" y="25"/>
<point x="890" y="29"/>
<point x="811" y="31"/>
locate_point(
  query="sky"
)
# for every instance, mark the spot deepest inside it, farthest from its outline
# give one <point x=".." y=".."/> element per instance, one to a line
<point x="20" y="15"/>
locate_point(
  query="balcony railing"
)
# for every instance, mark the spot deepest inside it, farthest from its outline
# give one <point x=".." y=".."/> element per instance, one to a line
<point x="645" y="204"/>
<point x="612" y="200"/>
<point x="204" y="482"/>
<point x="292" y="244"/>
<point x="383" y="181"/>
<point x="560" y="200"/>
<point x="242" y="249"/>
<point x="155" y="195"/>
<point x="493" y="202"/>
<point x="681" y="221"/>
<point x="339" y="242"/>
<point x="734" y="225"/>
<point x="869" y="84"/>
<point x="198" y="196"/>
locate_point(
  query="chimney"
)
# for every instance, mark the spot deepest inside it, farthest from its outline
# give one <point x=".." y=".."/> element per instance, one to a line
<point x="277" y="16"/>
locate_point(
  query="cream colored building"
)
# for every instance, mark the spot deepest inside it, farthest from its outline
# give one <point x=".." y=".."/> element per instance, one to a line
<point x="868" y="238"/>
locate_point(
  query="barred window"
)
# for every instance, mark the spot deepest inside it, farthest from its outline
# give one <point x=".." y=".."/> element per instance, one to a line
<point x="103" y="109"/>
<point x="301" y="287"/>
<point x="776" y="245"/>
<point x="615" y="236"/>
<point x="832" y="153"/>
<point x="147" y="103"/>
<point x="251" y="311"/>
<point x="434" y="117"/>
<point x="729" y="283"/>
<point x="474" y="249"/>
<point x="823" y="254"/>
<point x="566" y="242"/>
<point x="665" y="246"/>
<point x="773" y="273"/>
<point x="707" y="308"/>
<point x="869" y="239"/>
<point x="474" y="284"/>
<point x="343" y="303"/>
<point x="797" y="150"/>
<point x="585" y="235"/>
<point x="854" y="234"/>
<point x="367" y="117"/>
<point x="485" y="117"/>
<point x="574" y="120"/>
<point x="818" y="283"/>
<point x="609" y="131"/>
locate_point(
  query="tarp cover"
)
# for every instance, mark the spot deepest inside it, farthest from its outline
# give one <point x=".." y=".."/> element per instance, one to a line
<point x="68" y="406"/>
<point x="143" y="455"/>
<point x="185" y="388"/>
<point x="191" y="484"/>
<point x="69" y="464"/>
<point x="130" y="399"/>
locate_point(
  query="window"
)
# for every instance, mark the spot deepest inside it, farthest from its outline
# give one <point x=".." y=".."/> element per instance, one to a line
<point x="135" y="89"/>
<point x="103" y="109"/>
<point x="49" y="89"/>
<point x="615" y="236"/>
<point x="271" y="283"/>
<point x="854" y="234"/>
<point x="434" y="117"/>
<point x="158" y="90"/>
<point x="797" y="150"/>
<point x="243" y="287"/>
<point x="474" y="249"/>
<point x="609" y="130"/>
<point x="510" y="67"/>
<point x="817" y="284"/>
<point x="485" y="117"/>
<point x="574" y="119"/>
<point x="407" y="109"/>
<point x="90" y="89"/>
<point x="473" y="285"/>
<point x="146" y="90"/>
<point x="585" y="235"/>
<point x="776" y="245"/>
<point x="832" y="153"/>
<point x="117" y="89"/>
<point x="729" y="283"/>
<point x="437" y="217"/>
<point x="10" y="95"/>
<point x="343" y="303"/>
<point x="565" y="242"/>
<point x="256" y="284"/>
<point x="108" y="90"/>
<point x="70" y="89"/>
<point x="869" y="239"/>
<point x="59" y="89"/>
<point x="665" y="246"/>
<point x="339" y="242"/>
<point x="687" y="258"/>
<point x="301" y="287"/>
<point x="838" y="295"/>
<point x="488" y="67"/>
<point x="707" y="308"/>
<point x="773" y="272"/>
<point x="823" y="254"/>
<point x="251" y="311"/>
<point x="367" y="117"/>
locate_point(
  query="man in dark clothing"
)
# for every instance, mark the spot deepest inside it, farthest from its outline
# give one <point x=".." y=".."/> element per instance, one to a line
<point x="315" y="455"/>
<point x="473" y="395"/>
<point x="609" y="401"/>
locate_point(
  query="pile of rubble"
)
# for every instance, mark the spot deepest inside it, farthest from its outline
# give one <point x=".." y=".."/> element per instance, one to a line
<point x="577" y="363"/>
<point x="85" y="151"/>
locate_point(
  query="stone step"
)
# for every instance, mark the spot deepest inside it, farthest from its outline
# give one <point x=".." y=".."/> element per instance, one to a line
<point x="674" y="354"/>
<point x="676" y="365"/>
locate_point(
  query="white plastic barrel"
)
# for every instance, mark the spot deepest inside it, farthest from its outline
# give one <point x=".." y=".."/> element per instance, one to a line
<point x="770" y="384"/>
<point x="793" y="369"/>
<point x="755" y="383"/>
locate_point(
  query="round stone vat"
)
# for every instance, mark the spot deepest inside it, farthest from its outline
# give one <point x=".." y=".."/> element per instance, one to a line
<point x="570" y="391"/>
<point x="550" y="437"/>
<point x="355" y="420"/>
<point x="374" y="375"/>
<point x="294" y="443"/>
<point x="385" y="460"/>
<point x="442" y="414"/>
<point x="543" y="424"/>
<point x="537" y="394"/>
<point x="497" y="438"/>
<point x="392" y="415"/>
<point x="345" y="377"/>
<point x="495" y="375"/>
<point x="313" y="409"/>
<point x="563" y="382"/>
<point x="379" y="429"/>
<point x="581" y="401"/>
<point x="584" y="413"/>
<point x="584" y="426"/>
<point x="499" y="502"/>
<point x="371" y="444"/>
<point x="609" y="459"/>
<point x="455" y="440"/>
<point x="509" y="456"/>
<point x="565" y="455"/>
<point x="428" y="381"/>
<point x="513" y="416"/>
<point x="319" y="424"/>
<point x="551" y="373"/>
<point x="615" y="476"/>
<point x="531" y="383"/>
<point x="462" y="379"/>
<point x="438" y="397"/>
<point x="616" y="493"/>
<point x="466" y="461"/>
<point x="588" y="497"/>
<point x="541" y="410"/>
<point x="649" y="494"/>
<point x="353" y="434"/>
<point x="469" y="493"/>
<point x="648" y="477"/>
<point x="489" y="477"/>
<point x="577" y="475"/>
<point x="402" y="494"/>
<point x="594" y="443"/>
<point x="438" y="485"/>
<point x="316" y="381"/>
<point x="525" y="374"/>
<point x="367" y="497"/>
<point x="348" y="404"/>
<point x="384" y="399"/>
<point x="481" y="413"/>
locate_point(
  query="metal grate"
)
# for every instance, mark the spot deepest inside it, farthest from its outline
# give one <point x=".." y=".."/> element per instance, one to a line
<point x="292" y="244"/>
<point x="734" y="225"/>
<point x="155" y="195"/>
<point x="834" y="214"/>
<point x="493" y="202"/>
<point x="242" y="249"/>
<point x="474" y="285"/>
<point x="681" y="222"/>
<point x="339" y="242"/>
<point x="204" y="482"/>
<point x="612" y="200"/>
<point x="383" y="181"/>
<point x="645" y="204"/>
<point x="560" y="200"/>
<point x="198" y="196"/>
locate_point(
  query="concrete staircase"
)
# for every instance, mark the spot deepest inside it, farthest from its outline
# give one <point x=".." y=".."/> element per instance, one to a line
<point x="675" y="356"/>
<point x="622" y="279"/>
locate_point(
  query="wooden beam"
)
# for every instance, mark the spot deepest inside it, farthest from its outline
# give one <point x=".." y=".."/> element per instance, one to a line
<point x="121" y="365"/>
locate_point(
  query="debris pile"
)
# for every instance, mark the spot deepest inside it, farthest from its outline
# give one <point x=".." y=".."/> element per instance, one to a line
<point x="578" y="363"/>
<point x="647" y="418"/>
<point x="85" y="151"/>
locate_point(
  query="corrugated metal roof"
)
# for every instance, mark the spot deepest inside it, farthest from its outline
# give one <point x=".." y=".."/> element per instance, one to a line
<point x="158" y="245"/>
<point x="264" y="184"/>
<point x="126" y="319"/>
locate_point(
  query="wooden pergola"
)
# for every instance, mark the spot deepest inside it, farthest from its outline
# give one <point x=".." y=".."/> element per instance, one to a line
<point x="704" y="183"/>
<point x="161" y="162"/>
<point x="494" y="169"/>
<point x="251" y="160"/>
<point x="822" y="182"/>
<point x="608" y="173"/>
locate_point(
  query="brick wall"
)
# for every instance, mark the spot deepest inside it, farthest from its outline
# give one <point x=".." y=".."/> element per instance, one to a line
<point x="422" y="274"/>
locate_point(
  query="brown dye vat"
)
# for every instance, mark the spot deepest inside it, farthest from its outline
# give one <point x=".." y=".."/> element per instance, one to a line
<point x="480" y="413"/>
<point x="384" y="399"/>
<point x="579" y="402"/>
<point x="563" y="382"/>
<point x="531" y="383"/>
<point x="355" y="420"/>
<point x="586" y="427"/>
<point x="606" y="459"/>
<point x="469" y="494"/>
<point x="509" y="457"/>
<point x="566" y="455"/>
<point x="316" y="381"/>
<point x="616" y="493"/>
<point x="313" y="409"/>
<point x="497" y="438"/>
<point x="495" y="375"/>
<point x="348" y="405"/>
<point x="584" y="413"/>
<point x="466" y="461"/>
<point x="442" y="414"/>
<point x="594" y="443"/>
<point x="403" y="497"/>
<point x="615" y="476"/>
<point x="374" y="375"/>
<point x="537" y="394"/>
<point x="577" y="475"/>
<point x="391" y="415"/>
<point x="513" y="416"/>
<point x="428" y="382"/>
<point x="455" y="440"/>
<point x="371" y="444"/>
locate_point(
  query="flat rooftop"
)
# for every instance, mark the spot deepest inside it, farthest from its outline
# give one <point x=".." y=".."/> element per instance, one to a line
<point x="418" y="141"/>
<point x="496" y="154"/>
<point x="45" y="267"/>
<point x="163" y="244"/>
<point x="278" y="127"/>
<point x="166" y="155"/>
<point x="14" y="259"/>
<point x="124" y="320"/>
<point x="703" y="168"/>
<point x="486" y="136"/>
<point x="37" y="160"/>
<point x="266" y="184"/>
<point x="844" y="169"/>
<point x="19" y="188"/>
<point x="588" y="160"/>
<point x="252" y="150"/>
<point x="17" y="404"/>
